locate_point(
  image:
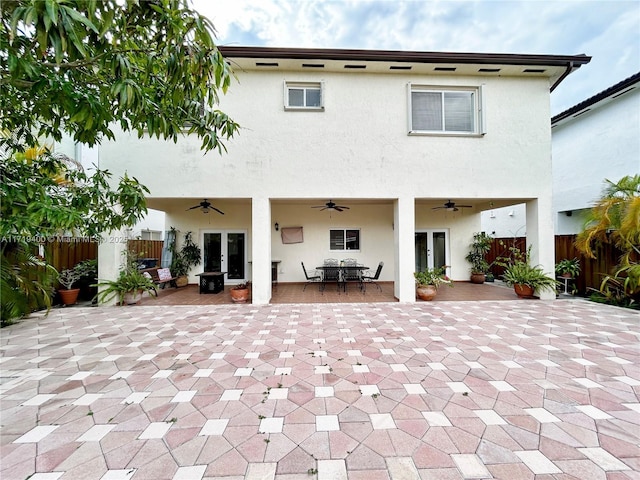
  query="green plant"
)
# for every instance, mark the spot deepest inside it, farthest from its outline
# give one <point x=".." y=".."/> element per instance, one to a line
<point x="130" y="280"/>
<point x="569" y="267"/>
<point x="241" y="286"/>
<point x="519" y="271"/>
<point x="479" y="248"/>
<point x="26" y="282"/>
<point x="615" y="220"/>
<point x="432" y="276"/>
<point x="190" y="252"/>
<point x="188" y="256"/>
<point x="68" y="277"/>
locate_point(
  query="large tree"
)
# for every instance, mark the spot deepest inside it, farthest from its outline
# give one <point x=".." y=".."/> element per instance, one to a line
<point x="81" y="68"/>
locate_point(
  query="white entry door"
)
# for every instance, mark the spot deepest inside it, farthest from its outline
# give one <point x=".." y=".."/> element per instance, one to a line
<point x="225" y="251"/>
<point x="432" y="249"/>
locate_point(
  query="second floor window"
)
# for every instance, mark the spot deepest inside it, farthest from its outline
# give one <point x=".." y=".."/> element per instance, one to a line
<point x="303" y="96"/>
<point x="444" y="111"/>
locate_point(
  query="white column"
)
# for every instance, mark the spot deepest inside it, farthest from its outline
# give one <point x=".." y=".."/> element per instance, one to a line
<point x="540" y="235"/>
<point x="111" y="257"/>
<point x="260" y="251"/>
<point x="404" y="248"/>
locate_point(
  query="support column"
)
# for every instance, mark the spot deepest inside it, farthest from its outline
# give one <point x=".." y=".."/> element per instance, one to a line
<point x="540" y="235"/>
<point x="404" y="248"/>
<point x="261" y="251"/>
<point x="111" y="257"/>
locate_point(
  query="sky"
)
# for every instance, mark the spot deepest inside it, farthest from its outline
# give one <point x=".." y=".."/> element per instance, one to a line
<point x="607" y="30"/>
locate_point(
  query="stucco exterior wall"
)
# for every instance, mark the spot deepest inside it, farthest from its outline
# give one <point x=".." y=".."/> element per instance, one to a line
<point x="357" y="147"/>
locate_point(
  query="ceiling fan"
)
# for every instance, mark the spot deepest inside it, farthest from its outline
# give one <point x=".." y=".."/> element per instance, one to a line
<point x="331" y="206"/>
<point x="205" y="205"/>
<point x="452" y="207"/>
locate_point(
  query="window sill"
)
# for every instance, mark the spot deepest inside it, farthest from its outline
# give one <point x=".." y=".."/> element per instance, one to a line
<point x="417" y="133"/>
<point x="303" y="109"/>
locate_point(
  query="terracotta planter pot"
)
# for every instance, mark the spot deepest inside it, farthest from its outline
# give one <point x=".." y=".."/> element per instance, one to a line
<point x="523" y="291"/>
<point x="426" y="292"/>
<point x="69" y="297"/>
<point x="131" y="298"/>
<point x="477" y="278"/>
<point x="239" y="296"/>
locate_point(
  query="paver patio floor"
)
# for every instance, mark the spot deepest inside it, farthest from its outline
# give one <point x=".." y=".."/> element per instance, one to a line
<point x="520" y="389"/>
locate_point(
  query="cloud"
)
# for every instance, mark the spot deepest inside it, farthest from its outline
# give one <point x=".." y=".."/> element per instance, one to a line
<point x="606" y="30"/>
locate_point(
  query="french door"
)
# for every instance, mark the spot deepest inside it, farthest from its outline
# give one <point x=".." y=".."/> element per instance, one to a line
<point x="432" y="249"/>
<point x="225" y="251"/>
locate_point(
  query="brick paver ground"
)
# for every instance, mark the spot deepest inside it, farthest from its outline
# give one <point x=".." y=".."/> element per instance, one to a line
<point x="520" y="389"/>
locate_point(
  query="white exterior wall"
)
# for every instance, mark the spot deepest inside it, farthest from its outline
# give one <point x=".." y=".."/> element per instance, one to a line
<point x="602" y="143"/>
<point x="358" y="151"/>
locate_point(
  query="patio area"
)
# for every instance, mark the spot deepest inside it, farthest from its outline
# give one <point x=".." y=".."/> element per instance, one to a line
<point x="444" y="390"/>
<point x="293" y="293"/>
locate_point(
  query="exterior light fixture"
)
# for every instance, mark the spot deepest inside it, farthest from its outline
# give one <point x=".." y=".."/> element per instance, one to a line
<point x="277" y="226"/>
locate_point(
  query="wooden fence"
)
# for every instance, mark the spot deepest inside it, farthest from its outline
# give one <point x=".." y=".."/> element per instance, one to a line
<point x="592" y="272"/>
<point x="66" y="254"/>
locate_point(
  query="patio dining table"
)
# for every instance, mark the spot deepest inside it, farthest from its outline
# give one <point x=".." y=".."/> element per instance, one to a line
<point x="341" y="274"/>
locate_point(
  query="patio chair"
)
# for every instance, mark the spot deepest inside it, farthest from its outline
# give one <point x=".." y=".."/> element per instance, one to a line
<point x="317" y="278"/>
<point x="372" y="279"/>
<point x="350" y="272"/>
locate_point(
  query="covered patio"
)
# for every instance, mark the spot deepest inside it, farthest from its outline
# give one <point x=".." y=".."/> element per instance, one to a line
<point x="286" y="293"/>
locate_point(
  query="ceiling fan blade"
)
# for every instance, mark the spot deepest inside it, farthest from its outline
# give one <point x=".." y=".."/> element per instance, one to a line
<point x="342" y="206"/>
<point x="464" y="206"/>
<point x="192" y="208"/>
<point x="219" y="211"/>
<point x="437" y="208"/>
<point x="337" y="209"/>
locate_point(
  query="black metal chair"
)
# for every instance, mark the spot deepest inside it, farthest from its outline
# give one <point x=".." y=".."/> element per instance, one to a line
<point x="351" y="273"/>
<point x="372" y="279"/>
<point x="310" y="279"/>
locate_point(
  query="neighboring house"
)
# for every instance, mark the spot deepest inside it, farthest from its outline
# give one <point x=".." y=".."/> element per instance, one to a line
<point x="151" y="227"/>
<point x="392" y="135"/>
<point x="596" y="139"/>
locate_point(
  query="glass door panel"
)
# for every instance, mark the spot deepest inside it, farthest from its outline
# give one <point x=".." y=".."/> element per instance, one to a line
<point x="213" y="252"/>
<point x="235" y="256"/>
<point x="431" y="249"/>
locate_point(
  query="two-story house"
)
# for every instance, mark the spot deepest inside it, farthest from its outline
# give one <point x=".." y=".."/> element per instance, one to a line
<point x="415" y="144"/>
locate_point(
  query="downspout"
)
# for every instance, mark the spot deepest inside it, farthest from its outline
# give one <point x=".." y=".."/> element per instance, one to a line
<point x="562" y="77"/>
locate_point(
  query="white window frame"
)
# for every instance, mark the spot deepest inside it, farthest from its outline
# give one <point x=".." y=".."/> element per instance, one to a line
<point x="477" y="114"/>
<point x="344" y="239"/>
<point x="304" y="86"/>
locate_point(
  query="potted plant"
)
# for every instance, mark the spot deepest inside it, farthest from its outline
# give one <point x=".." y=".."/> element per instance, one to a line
<point x="428" y="281"/>
<point x="67" y="278"/>
<point x="88" y="270"/>
<point x="240" y="292"/>
<point x="568" y="268"/>
<point x="479" y="248"/>
<point x="128" y="287"/>
<point x="184" y="259"/>
<point x="525" y="278"/>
